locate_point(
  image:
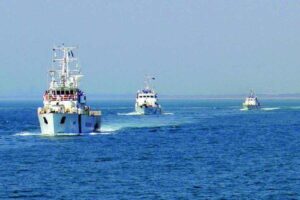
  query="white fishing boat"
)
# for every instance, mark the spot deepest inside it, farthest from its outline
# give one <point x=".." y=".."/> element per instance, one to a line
<point x="251" y="102"/>
<point x="65" y="109"/>
<point x="146" y="100"/>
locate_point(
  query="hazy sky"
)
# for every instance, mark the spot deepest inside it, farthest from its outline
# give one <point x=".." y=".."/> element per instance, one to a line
<point x="192" y="47"/>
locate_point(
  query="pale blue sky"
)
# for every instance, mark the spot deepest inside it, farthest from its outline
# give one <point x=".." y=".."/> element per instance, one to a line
<point x="192" y="47"/>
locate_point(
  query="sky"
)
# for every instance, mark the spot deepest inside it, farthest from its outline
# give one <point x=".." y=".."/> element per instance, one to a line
<point x="205" y="47"/>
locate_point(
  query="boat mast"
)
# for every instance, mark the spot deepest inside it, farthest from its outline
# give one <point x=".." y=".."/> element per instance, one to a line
<point x="67" y="57"/>
<point x="147" y="82"/>
<point x="251" y="94"/>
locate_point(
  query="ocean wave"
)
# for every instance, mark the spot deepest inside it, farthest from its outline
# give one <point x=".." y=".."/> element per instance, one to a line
<point x="294" y="107"/>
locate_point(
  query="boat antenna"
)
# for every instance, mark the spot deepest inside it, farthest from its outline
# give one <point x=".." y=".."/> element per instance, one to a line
<point x="148" y="80"/>
<point x="67" y="57"/>
<point x="252" y="94"/>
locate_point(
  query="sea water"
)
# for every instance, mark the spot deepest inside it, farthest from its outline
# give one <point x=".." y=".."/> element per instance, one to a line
<point x="198" y="149"/>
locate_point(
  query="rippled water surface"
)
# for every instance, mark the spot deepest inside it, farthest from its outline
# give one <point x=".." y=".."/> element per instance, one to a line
<point x="199" y="149"/>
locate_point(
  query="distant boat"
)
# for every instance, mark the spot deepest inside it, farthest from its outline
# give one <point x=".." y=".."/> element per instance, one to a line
<point x="251" y="102"/>
<point x="146" y="100"/>
<point x="65" y="110"/>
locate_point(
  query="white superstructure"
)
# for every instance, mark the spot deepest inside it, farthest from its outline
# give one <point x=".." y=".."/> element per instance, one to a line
<point x="65" y="110"/>
<point x="251" y="102"/>
<point x="146" y="100"/>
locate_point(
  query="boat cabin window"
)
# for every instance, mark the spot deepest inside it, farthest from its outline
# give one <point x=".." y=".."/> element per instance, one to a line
<point x="62" y="92"/>
<point x="71" y="92"/>
<point x="67" y="92"/>
<point x="58" y="92"/>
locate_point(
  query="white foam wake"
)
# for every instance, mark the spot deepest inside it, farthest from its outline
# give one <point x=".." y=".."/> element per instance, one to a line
<point x="130" y="113"/>
<point x="269" y="109"/>
<point x="136" y="113"/>
<point x="168" y="113"/>
<point x="23" y="134"/>
<point x="27" y="134"/>
<point x="101" y="133"/>
<point x="110" y="128"/>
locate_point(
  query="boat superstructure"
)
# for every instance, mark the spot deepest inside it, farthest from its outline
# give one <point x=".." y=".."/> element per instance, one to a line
<point x="65" y="110"/>
<point x="146" y="100"/>
<point x="251" y="102"/>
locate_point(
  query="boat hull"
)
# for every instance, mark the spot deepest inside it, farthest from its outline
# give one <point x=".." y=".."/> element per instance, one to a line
<point x="251" y="107"/>
<point x="143" y="110"/>
<point x="64" y="124"/>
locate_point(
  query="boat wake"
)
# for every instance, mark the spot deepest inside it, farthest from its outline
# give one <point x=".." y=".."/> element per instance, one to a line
<point x="168" y="113"/>
<point x="130" y="113"/>
<point x="39" y="134"/>
<point x="113" y="128"/>
<point x="27" y="134"/>
<point x="106" y="130"/>
<point x="136" y="113"/>
<point x="264" y="109"/>
<point x="101" y="133"/>
<point x="270" y="109"/>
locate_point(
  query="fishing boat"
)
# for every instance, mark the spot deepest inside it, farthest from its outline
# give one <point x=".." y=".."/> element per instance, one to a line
<point x="146" y="100"/>
<point x="65" y="109"/>
<point x="251" y="102"/>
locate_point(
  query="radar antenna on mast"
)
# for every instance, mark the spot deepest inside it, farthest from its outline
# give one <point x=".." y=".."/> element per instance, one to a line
<point x="148" y="80"/>
<point x="65" y="66"/>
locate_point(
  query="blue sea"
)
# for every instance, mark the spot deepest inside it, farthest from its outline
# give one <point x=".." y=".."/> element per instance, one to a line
<point x="199" y="149"/>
